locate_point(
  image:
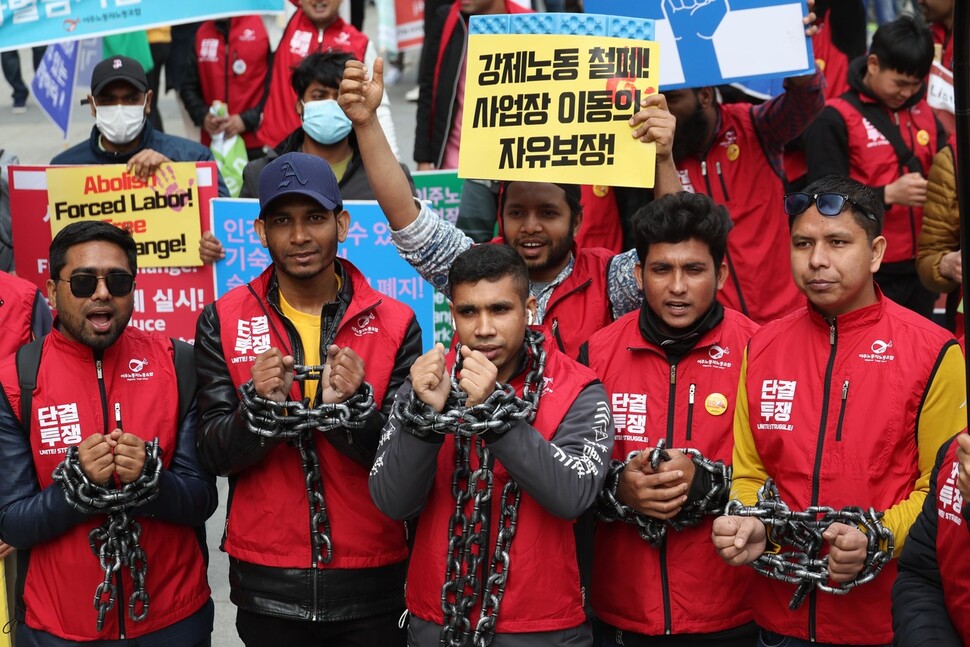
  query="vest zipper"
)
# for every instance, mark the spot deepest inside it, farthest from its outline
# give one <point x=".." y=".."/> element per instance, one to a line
<point x="552" y="304"/>
<point x="906" y="169"/>
<point x="664" y="578"/>
<point x="720" y="176"/>
<point x="845" y="394"/>
<point x="823" y="423"/>
<point x="555" y="333"/>
<point x="120" y="595"/>
<point x="727" y="252"/>
<point x="690" y="409"/>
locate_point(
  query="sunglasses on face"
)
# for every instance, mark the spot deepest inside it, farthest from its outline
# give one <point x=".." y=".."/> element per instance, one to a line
<point x="828" y="204"/>
<point x="119" y="284"/>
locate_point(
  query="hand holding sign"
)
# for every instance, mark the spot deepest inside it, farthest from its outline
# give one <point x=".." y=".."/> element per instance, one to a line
<point x="145" y="163"/>
<point x="655" y="124"/>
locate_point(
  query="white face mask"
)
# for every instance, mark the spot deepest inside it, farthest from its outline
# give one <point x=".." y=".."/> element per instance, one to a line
<point x="120" y="124"/>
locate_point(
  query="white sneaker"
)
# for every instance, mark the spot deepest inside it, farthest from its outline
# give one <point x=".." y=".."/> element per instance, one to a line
<point x="413" y="94"/>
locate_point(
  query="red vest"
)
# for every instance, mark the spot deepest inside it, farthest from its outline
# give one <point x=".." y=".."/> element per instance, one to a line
<point x="873" y="161"/>
<point x="16" y="312"/>
<point x="139" y="373"/>
<point x="268" y="520"/>
<point x="220" y="62"/>
<point x="696" y="410"/>
<point x="543" y="591"/>
<point x="601" y="219"/>
<point x="300" y="38"/>
<point x="580" y="305"/>
<point x="881" y="364"/>
<point x="735" y="173"/>
<point x="952" y="542"/>
<point x="832" y="61"/>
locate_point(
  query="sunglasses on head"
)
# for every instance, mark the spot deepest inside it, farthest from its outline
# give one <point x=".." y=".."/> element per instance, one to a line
<point x="828" y="204"/>
<point x="119" y="284"/>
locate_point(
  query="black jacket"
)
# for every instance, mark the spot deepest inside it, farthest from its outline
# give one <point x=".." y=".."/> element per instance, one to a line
<point x="435" y="109"/>
<point x="354" y="185"/>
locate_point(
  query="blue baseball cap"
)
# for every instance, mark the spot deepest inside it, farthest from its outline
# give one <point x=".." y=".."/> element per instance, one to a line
<point x="301" y="174"/>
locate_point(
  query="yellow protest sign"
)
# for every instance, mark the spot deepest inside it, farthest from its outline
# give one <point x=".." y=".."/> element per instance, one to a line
<point x="162" y="214"/>
<point x="556" y="108"/>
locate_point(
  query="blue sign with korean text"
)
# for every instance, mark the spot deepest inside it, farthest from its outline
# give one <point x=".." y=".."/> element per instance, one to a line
<point x="711" y="42"/>
<point x="53" y="84"/>
<point x="24" y="23"/>
<point x="368" y="246"/>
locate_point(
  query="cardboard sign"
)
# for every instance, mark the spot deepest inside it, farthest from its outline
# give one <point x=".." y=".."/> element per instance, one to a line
<point x="167" y="299"/>
<point x="543" y="106"/>
<point x="162" y="213"/>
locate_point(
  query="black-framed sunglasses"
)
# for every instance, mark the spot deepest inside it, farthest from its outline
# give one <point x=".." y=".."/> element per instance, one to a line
<point x="828" y="204"/>
<point x="119" y="284"/>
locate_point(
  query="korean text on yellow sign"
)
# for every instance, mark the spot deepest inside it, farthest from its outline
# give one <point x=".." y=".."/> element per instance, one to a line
<point x="554" y="108"/>
<point x="162" y="213"/>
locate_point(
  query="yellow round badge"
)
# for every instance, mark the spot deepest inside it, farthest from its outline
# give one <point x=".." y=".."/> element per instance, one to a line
<point x="923" y="137"/>
<point x="733" y="151"/>
<point x="820" y="64"/>
<point x="600" y="191"/>
<point x="716" y="404"/>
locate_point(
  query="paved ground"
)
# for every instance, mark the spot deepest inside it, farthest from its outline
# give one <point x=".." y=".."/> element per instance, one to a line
<point x="35" y="140"/>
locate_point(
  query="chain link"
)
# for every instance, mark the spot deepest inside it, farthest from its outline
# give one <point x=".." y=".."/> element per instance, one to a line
<point x="799" y="538"/>
<point x="691" y="514"/>
<point x="468" y="535"/>
<point x="116" y="541"/>
<point x="295" y="421"/>
<point x="498" y="413"/>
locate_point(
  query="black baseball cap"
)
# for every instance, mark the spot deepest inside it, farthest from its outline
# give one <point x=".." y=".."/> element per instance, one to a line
<point x="118" y="68"/>
<point x="299" y="173"/>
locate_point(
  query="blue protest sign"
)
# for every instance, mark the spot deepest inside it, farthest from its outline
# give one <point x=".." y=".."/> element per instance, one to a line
<point x="53" y="84"/>
<point x="27" y="22"/>
<point x="710" y="42"/>
<point x="368" y="246"/>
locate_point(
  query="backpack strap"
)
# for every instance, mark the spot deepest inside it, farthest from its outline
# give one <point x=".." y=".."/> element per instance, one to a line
<point x="28" y="365"/>
<point x="876" y="115"/>
<point x="185" y="375"/>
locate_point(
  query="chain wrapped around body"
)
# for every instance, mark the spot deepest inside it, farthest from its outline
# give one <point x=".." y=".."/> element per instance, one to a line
<point x="653" y="530"/>
<point x="797" y="536"/>
<point x="116" y="541"/>
<point x="295" y="421"/>
<point x="468" y="533"/>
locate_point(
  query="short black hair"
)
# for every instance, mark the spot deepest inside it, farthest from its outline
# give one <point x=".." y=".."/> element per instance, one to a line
<point x="682" y="216"/>
<point x="574" y="196"/>
<point x="490" y="262"/>
<point x="86" y="232"/>
<point x="904" y="45"/>
<point x="327" y="68"/>
<point x="864" y="196"/>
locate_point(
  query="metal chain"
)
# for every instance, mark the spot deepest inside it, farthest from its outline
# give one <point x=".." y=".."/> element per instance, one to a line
<point x="116" y="541"/>
<point x="799" y="538"/>
<point x="653" y="530"/>
<point x="498" y="413"/>
<point x="295" y="422"/>
<point x="292" y="418"/>
<point x="468" y="535"/>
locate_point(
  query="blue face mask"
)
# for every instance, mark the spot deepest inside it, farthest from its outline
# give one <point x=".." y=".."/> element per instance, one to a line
<point x="325" y="122"/>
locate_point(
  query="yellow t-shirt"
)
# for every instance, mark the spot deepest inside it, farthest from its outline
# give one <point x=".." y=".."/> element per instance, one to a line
<point x="308" y="327"/>
<point x="341" y="167"/>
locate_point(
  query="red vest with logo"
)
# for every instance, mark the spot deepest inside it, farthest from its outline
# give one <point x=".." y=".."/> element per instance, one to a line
<point x="952" y="543"/>
<point x="873" y="161"/>
<point x="268" y="520"/>
<point x="301" y="38"/>
<point x="736" y="173"/>
<point x="16" y="312"/>
<point x="864" y="390"/>
<point x="543" y="591"/>
<point x="220" y="62"/>
<point x="136" y="370"/>
<point x="580" y="305"/>
<point x="690" y="404"/>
